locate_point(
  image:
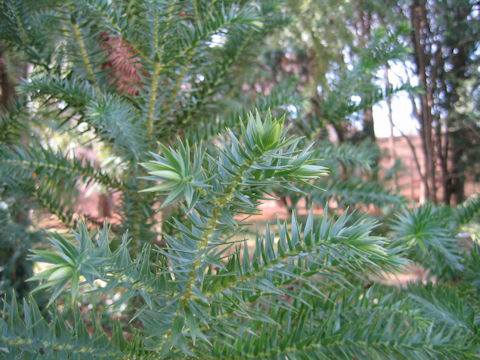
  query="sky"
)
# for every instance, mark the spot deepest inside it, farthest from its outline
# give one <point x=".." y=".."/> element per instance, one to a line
<point x="402" y="117"/>
<point x="401" y="107"/>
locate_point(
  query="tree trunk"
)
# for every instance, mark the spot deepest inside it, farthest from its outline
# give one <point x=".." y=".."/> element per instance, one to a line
<point x="6" y="87"/>
<point x="368" y="128"/>
<point x="458" y="177"/>
<point x="420" y="29"/>
<point x="457" y="139"/>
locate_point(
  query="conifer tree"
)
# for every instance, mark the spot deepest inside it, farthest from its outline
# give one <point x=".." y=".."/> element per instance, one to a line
<point x="150" y="81"/>
<point x="125" y="76"/>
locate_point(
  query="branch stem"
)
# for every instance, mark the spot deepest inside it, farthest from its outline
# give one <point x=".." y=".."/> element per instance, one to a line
<point x="84" y="54"/>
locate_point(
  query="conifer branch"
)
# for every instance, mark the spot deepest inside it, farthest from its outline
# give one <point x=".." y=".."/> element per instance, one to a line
<point x="153" y="96"/>
<point x="211" y="289"/>
<point x="188" y="54"/>
<point x="158" y="56"/>
<point x="195" y="11"/>
<point x="113" y="24"/>
<point x="75" y="170"/>
<point x="23" y="34"/>
<point x="54" y="208"/>
<point x="219" y="77"/>
<point x="84" y="55"/>
<point x="217" y="204"/>
<point x="211" y="6"/>
<point x="175" y="92"/>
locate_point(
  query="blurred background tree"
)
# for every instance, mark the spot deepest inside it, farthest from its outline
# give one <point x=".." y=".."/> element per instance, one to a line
<point x="445" y="39"/>
<point x="340" y="54"/>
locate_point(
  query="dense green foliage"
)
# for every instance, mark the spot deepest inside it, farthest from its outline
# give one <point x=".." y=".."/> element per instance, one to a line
<point x="124" y="77"/>
<point x="299" y="292"/>
<point x="157" y="87"/>
<point x="17" y="238"/>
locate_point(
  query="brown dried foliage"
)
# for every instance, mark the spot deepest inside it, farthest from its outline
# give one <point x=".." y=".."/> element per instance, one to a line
<point x="126" y="70"/>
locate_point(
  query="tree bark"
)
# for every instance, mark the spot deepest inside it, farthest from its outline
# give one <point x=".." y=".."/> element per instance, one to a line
<point x="368" y="128"/>
<point x="6" y="87"/>
<point x="420" y="29"/>
<point x="458" y="139"/>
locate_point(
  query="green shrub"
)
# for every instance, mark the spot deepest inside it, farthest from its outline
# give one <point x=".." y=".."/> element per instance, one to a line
<point x="298" y="292"/>
<point x="180" y="137"/>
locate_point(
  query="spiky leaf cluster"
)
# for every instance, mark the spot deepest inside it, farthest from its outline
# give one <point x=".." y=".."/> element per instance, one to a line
<point x="294" y="292"/>
<point x="430" y="234"/>
<point x="127" y="74"/>
<point x="122" y="76"/>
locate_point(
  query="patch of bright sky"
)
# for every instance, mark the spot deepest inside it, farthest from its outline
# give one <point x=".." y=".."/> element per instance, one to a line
<point x="401" y="106"/>
<point x="219" y="38"/>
